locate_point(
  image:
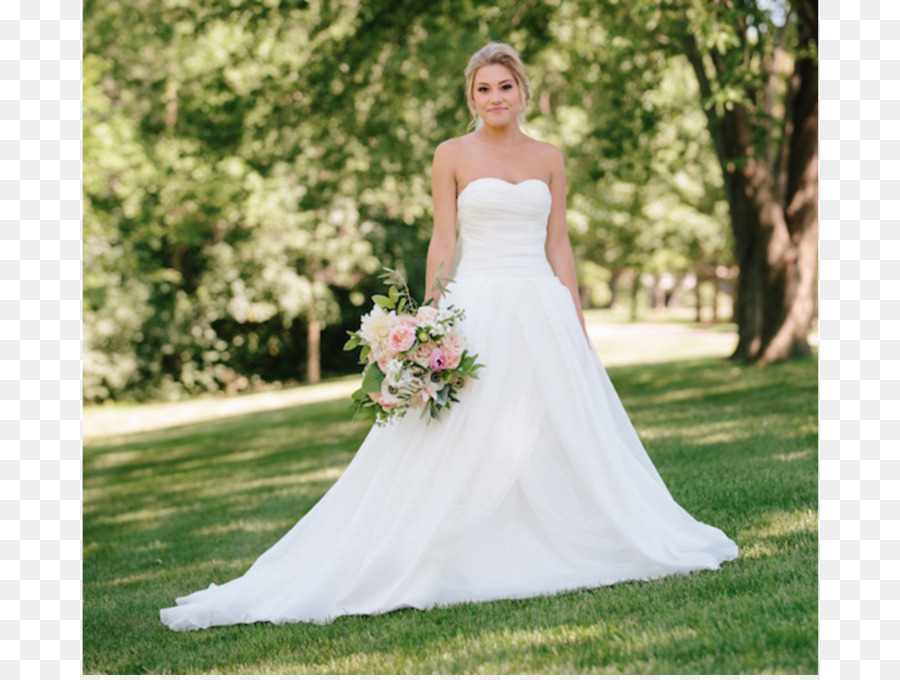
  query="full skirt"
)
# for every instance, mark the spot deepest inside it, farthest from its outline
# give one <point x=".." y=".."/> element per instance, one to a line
<point x="535" y="483"/>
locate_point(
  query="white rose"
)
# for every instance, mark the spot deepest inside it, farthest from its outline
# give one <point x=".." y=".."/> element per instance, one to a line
<point x="426" y="313"/>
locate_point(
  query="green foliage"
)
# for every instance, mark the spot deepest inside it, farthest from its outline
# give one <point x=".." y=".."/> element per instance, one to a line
<point x="250" y="167"/>
<point x="645" y="186"/>
<point x="373" y="378"/>
<point x="169" y="511"/>
<point x="235" y="199"/>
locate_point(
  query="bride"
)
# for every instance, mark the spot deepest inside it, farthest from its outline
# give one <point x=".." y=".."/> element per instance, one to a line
<point x="536" y="482"/>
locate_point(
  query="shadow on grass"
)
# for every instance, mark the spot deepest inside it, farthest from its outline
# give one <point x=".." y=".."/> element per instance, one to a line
<point x="170" y="511"/>
<point x="230" y="487"/>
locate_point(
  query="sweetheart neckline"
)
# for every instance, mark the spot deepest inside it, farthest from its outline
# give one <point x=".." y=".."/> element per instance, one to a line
<point x="500" y="179"/>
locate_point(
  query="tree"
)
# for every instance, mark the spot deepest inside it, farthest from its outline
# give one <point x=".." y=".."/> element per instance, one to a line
<point x="249" y="167"/>
<point x="645" y="190"/>
<point x="770" y="167"/>
<point x="757" y="69"/>
<point x="202" y="170"/>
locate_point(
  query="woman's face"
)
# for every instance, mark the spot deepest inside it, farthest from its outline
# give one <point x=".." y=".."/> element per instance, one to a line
<point x="496" y="94"/>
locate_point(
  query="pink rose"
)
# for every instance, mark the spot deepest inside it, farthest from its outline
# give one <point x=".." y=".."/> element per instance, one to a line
<point x="452" y="360"/>
<point x="454" y="342"/>
<point x="438" y="359"/>
<point x="422" y="355"/>
<point x="402" y="337"/>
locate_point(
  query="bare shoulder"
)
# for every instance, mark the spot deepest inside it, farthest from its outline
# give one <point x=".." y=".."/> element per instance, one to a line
<point x="549" y="157"/>
<point x="549" y="154"/>
<point x="447" y="155"/>
<point x="445" y="166"/>
<point x="452" y="147"/>
<point x="452" y="156"/>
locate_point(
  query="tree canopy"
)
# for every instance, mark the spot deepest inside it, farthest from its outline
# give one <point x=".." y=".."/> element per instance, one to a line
<point x="251" y="165"/>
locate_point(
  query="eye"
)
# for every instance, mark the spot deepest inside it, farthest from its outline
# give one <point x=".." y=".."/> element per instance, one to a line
<point x="482" y="89"/>
<point x="508" y="86"/>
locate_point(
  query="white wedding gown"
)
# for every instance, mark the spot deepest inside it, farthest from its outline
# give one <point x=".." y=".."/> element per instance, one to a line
<point x="535" y="483"/>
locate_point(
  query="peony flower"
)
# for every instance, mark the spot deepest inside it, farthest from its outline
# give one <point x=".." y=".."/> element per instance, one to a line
<point x="402" y="337"/>
<point x="418" y="355"/>
<point x="438" y="359"/>
<point x="375" y="329"/>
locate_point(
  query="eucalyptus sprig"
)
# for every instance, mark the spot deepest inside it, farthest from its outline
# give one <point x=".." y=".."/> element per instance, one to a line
<point x="399" y="298"/>
<point x="440" y="285"/>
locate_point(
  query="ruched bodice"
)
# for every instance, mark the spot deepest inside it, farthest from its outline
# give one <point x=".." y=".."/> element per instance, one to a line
<point x="503" y="228"/>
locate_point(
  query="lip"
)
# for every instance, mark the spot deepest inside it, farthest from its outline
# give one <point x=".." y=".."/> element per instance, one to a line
<point x="497" y="108"/>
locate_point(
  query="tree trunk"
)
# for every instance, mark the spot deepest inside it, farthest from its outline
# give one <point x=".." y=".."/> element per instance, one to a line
<point x="775" y="240"/>
<point x="673" y="296"/>
<point x="657" y="295"/>
<point x="314" y="355"/>
<point x="614" y="287"/>
<point x="776" y="284"/>
<point x="749" y="297"/>
<point x="792" y="306"/>
<point x="715" y="295"/>
<point x="635" y="293"/>
<point x="584" y="294"/>
<point x="699" y="303"/>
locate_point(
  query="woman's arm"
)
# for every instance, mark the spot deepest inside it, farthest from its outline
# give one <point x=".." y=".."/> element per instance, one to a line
<point x="442" y="248"/>
<point x="559" y="249"/>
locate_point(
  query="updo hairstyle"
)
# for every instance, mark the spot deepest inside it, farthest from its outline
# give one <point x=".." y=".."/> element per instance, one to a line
<point x="505" y="55"/>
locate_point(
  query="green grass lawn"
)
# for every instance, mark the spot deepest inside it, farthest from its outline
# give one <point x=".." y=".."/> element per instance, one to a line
<point x="168" y="511"/>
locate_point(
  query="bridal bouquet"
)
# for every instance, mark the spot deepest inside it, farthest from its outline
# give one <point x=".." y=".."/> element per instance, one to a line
<point x="415" y="356"/>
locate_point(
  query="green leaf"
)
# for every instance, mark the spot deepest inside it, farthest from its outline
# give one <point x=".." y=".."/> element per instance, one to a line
<point x="364" y="353"/>
<point x="384" y="301"/>
<point x="364" y="413"/>
<point x="372" y="379"/>
<point x="352" y="343"/>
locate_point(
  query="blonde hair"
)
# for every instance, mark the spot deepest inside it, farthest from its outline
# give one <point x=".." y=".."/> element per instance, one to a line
<point x="505" y="55"/>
